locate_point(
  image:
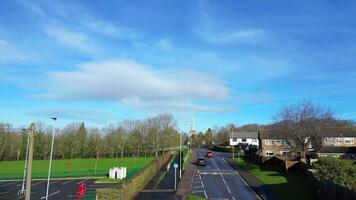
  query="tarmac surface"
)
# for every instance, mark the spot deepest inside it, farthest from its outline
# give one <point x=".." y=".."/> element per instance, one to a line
<point x="58" y="189"/>
<point x="218" y="180"/>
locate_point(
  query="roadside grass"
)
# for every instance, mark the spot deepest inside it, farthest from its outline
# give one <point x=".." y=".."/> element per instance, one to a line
<point x="194" y="197"/>
<point x="189" y="158"/>
<point x="291" y="185"/>
<point x="72" y="168"/>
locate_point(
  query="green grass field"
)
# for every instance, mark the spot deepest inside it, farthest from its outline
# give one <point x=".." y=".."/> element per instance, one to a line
<point x="282" y="184"/>
<point x="72" y="168"/>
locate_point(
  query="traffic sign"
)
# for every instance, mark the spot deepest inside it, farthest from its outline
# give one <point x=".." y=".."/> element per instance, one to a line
<point x="175" y="165"/>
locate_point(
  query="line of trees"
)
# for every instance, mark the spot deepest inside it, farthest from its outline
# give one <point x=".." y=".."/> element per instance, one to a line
<point x="147" y="137"/>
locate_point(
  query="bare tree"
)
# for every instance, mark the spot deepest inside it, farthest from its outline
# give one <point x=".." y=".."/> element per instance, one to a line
<point x="301" y="124"/>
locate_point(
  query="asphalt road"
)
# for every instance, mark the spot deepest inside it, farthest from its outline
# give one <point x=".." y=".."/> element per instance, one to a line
<point x="58" y="189"/>
<point x="217" y="180"/>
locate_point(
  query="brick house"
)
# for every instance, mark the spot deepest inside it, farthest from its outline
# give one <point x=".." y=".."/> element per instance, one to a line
<point x="272" y="144"/>
<point x="339" y="144"/>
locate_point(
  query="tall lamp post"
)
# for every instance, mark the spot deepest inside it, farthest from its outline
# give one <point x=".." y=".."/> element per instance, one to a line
<point x="180" y="155"/>
<point x="25" y="168"/>
<point x="50" y="158"/>
<point x="232" y="142"/>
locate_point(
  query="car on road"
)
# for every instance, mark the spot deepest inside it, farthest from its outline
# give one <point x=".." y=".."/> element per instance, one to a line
<point x="201" y="161"/>
<point x="209" y="154"/>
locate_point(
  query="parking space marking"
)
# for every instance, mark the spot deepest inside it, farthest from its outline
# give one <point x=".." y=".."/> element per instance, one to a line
<point x="68" y="182"/>
<point x="50" y="194"/>
<point x="7" y="184"/>
<point x="82" y="181"/>
<point x="38" y="183"/>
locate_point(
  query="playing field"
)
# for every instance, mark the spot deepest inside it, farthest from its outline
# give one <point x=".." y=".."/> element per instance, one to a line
<point x="72" y="168"/>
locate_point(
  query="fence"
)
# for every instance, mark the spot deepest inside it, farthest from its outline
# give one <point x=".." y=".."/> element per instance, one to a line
<point x="130" y="188"/>
<point x="328" y="190"/>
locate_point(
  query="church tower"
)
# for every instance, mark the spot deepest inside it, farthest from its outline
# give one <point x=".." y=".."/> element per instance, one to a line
<point x="192" y="129"/>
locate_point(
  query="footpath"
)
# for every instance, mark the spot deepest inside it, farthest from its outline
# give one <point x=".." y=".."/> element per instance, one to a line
<point x="185" y="184"/>
<point x="161" y="185"/>
<point x="254" y="183"/>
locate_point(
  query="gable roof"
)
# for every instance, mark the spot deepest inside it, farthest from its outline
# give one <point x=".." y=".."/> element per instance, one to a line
<point x="245" y="134"/>
<point x="337" y="132"/>
<point x="269" y="134"/>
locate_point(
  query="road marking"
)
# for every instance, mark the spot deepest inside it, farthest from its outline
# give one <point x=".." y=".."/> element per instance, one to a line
<point x="233" y="198"/>
<point x="198" y="191"/>
<point x="82" y="181"/>
<point x="228" y="189"/>
<point x="52" y="182"/>
<point x="3" y="192"/>
<point x="50" y="194"/>
<point x="68" y="182"/>
<point x="39" y="182"/>
<point x="198" y="187"/>
<point x="7" y="184"/>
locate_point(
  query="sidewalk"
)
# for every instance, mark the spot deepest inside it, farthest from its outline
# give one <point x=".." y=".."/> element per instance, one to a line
<point x="185" y="185"/>
<point x="255" y="184"/>
<point x="158" y="187"/>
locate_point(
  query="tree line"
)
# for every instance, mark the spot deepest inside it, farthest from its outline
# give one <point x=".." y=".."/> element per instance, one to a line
<point x="148" y="137"/>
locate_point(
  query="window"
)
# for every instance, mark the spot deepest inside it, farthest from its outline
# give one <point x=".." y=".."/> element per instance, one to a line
<point x="278" y="142"/>
<point x="348" y="140"/>
<point x="339" y="140"/>
<point x="244" y="140"/>
<point x="269" y="153"/>
<point x="329" y="140"/>
<point x="253" y="140"/>
<point x="234" y="139"/>
<point x="269" y="142"/>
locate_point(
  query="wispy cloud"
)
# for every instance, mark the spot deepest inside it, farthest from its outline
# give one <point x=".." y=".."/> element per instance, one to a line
<point x="70" y="38"/>
<point x="173" y="106"/>
<point x="164" y="44"/>
<point x="250" y="36"/>
<point x="123" y="80"/>
<point x="3" y="43"/>
<point x="81" y="114"/>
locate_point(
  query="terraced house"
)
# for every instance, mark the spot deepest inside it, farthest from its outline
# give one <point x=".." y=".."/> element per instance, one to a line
<point x="272" y="144"/>
<point x="339" y="144"/>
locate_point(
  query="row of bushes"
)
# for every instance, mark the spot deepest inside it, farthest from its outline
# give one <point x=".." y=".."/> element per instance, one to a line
<point x="130" y="188"/>
<point x="225" y="149"/>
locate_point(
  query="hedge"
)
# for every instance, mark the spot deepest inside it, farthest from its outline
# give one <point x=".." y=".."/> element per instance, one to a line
<point x="130" y="188"/>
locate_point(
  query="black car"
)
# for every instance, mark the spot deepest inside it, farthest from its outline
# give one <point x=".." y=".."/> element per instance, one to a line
<point x="201" y="161"/>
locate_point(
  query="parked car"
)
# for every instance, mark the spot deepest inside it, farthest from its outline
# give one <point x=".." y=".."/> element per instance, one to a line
<point x="209" y="154"/>
<point x="201" y="161"/>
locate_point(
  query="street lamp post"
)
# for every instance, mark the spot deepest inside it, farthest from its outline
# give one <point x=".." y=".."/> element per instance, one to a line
<point x="50" y="159"/>
<point x="25" y="168"/>
<point x="232" y="141"/>
<point x="180" y="156"/>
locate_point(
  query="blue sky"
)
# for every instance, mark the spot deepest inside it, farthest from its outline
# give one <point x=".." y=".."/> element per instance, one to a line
<point x="220" y="61"/>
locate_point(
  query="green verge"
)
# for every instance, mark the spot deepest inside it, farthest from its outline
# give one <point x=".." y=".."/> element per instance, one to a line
<point x="72" y="168"/>
<point x="282" y="184"/>
<point x="194" y="197"/>
<point x="189" y="159"/>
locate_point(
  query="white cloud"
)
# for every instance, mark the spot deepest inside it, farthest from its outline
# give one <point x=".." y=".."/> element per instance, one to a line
<point x="164" y="44"/>
<point x="70" y="38"/>
<point x="124" y="80"/>
<point x="110" y="29"/>
<point x="241" y="36"/>
<point x="173" y="106"/>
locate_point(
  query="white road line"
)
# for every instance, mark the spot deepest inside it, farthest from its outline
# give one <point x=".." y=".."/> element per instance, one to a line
<point x="228" y="189"/>
<point x="199" y="177"/>
<point x="198" y="187"/>
<point x="52" y="182"/>
<point x="68" y="181"/>
<point x="82" y="181"/>
<point x="233" y="198"/>
<point x="50" y="194"/>
<point x="38" y="183"/>
<point x="198" y="191"/>
<point x="7" y="184"/>
<point x="224" y="181"/>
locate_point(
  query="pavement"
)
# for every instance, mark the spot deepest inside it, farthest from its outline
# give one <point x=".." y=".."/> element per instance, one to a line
<point x="161" y="188"/>
<point x="58" y="189"/>
<point x="218" y="180"/>
<point x="185" y="184"/>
